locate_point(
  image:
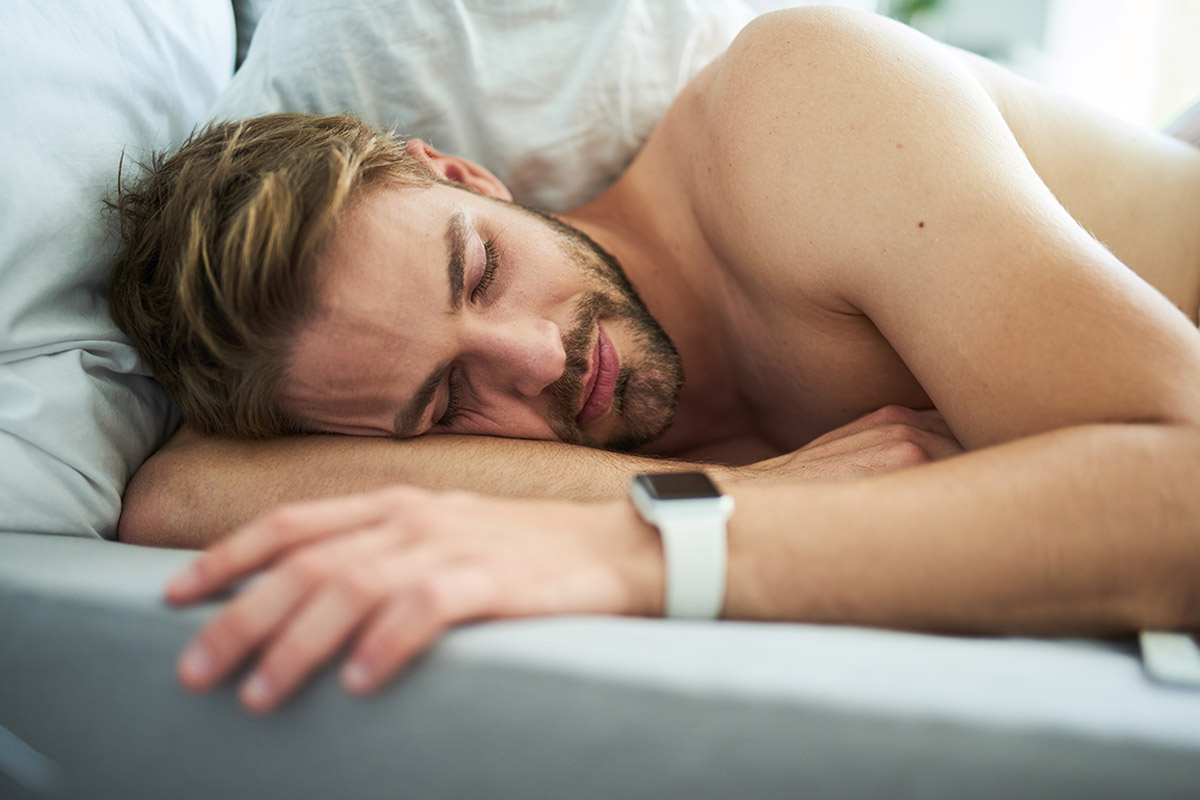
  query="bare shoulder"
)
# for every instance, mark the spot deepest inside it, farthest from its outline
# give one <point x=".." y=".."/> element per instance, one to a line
<point x="855" y="164"/>
<point x="819" y="121"/>
<point x="832" y="58"/>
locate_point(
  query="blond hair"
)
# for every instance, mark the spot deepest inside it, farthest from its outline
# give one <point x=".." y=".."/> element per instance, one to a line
<point x="220" y="241"/>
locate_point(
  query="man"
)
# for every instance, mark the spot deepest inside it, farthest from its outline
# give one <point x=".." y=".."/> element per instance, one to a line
<point x="836" y="216"/>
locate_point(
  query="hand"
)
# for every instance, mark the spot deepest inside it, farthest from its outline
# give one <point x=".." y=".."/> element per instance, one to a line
<point x="888" y="439"/>
<point x="389" y="572"/>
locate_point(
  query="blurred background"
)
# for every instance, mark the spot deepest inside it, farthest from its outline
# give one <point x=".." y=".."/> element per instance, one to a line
<point x="1137" y="59"/>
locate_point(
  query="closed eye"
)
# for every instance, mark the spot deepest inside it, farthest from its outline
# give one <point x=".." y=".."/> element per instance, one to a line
<point x="480" y="292"/>
<point x="453" y="399"/>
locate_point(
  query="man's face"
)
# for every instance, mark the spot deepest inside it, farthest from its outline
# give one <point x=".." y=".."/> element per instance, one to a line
<point x="443" y="311"/>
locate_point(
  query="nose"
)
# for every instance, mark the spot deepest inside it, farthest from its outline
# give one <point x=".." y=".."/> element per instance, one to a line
<point x="527" y="356"/>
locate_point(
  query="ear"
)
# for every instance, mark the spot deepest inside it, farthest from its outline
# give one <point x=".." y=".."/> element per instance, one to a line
<point x="459" y="170"/>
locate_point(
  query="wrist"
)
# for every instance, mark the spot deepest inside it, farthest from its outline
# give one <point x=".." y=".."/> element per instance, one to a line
<point x="642" y="568"/>
<point x="691" y="515"/>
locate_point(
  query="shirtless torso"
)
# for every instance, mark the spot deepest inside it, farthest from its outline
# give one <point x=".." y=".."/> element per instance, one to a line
<point x="806" y="359"/>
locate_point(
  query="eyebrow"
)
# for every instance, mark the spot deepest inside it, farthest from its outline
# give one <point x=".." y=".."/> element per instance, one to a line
<point x="408" y="419"/>
<point x="456" y="243"/>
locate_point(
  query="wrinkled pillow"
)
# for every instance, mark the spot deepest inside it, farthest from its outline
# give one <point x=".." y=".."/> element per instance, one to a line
<point x="81" y="82"/>
<point x="246" y="14"/>
<point x="554" y="96"/>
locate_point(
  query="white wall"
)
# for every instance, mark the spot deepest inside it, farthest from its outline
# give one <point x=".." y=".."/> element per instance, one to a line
<point x="1139" y="59"/>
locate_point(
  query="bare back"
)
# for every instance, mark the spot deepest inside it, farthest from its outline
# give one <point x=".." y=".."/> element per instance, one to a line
<point x="1135" y="190"/>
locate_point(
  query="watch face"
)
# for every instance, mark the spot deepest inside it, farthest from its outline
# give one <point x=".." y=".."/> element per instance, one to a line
<point x="678" y="486"/>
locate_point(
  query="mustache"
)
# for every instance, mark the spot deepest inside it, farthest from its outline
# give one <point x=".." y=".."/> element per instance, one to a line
<point x="565" y="392"/>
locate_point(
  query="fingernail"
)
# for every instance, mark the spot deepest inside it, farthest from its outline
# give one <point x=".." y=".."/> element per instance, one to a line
<point x="356" y="677"/>
<point x="257" y="690"/>
<point x="197" y="663"/>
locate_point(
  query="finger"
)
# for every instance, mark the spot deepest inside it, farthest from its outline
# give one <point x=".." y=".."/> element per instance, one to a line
<point x="253" y="616"/>
<point x="277" y="533"/>
<point x="838" y="434"/>
<point x="895" y="426"/>
<point x="885" y="416"/>
<point x="925" y="419"/>
<point x="247" y="620"/>
<point x="311" y="639"/>
<point x="917" y="448"/>
<point x="937" y="446"/>
<point x="931" y="420"/>
<point x="356" y="582"/>
<point x="413" y="621"/>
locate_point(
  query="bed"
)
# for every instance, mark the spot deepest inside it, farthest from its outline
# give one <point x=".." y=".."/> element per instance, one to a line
<point x="567" y="707"/>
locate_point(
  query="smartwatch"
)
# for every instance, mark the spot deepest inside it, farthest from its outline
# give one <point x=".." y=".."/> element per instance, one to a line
<point x="691" y="515"/>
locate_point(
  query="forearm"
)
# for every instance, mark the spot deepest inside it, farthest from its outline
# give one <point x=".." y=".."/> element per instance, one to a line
<point x="196" y="489"/>
<point x="1084" y="529"/>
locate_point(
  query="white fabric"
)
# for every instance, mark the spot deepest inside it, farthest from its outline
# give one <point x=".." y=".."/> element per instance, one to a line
<point x="1091" y="688"/>
<point x="79" y="82"/>
<point x="246" y="14"/>
<point x="554" y="96"/>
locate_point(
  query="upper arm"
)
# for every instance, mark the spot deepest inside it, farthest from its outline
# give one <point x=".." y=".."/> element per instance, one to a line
<point x="871" y="172"/>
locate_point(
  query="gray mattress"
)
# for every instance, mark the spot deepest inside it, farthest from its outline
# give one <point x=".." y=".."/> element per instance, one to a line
<point x="569" y="708"/>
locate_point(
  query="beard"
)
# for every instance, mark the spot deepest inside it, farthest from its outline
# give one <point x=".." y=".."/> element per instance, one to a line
<point x="650" y="377"/>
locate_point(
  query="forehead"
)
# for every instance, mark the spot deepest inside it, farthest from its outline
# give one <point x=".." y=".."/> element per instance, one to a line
<point x="387" y="229"/>
<point x="381" y="284"/>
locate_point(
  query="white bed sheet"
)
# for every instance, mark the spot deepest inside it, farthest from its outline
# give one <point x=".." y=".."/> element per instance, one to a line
<point x="1081" y="687"/>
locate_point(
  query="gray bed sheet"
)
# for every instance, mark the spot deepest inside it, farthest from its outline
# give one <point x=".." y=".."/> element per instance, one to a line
<point x="583" y="707"/>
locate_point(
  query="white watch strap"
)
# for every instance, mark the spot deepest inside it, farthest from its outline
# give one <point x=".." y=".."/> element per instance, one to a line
<point x="1171" y="657"/>
<point x="696" y="557"/>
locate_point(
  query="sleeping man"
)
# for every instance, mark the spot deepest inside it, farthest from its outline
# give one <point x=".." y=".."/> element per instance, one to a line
<point x="846" y="252"/>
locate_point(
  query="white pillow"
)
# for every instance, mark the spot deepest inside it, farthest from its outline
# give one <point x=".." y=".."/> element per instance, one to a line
<point x="554" y="96"/>
<point x="81" y="81"/>
<point x="246" y="14"/>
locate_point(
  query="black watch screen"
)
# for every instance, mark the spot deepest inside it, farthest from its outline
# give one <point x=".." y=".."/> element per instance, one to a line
<point x="678" y="486"/>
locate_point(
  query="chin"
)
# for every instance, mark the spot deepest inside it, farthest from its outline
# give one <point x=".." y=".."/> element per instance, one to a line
<point x="644" y="418"/>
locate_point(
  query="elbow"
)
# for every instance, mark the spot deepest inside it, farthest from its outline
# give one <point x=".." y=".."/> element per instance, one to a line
<point x="154" y="507"/>
<point x="145" y="512"/>
<point x="141" y="523"/>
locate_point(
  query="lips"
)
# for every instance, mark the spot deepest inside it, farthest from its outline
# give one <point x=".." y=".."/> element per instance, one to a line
<point x="600" y="381"/>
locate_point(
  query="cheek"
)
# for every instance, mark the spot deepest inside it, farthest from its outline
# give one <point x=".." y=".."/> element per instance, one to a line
<point x="506" y="418"/>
